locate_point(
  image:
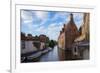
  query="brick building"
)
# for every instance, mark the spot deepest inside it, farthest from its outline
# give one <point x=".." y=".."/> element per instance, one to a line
<point x="66" y="38"/>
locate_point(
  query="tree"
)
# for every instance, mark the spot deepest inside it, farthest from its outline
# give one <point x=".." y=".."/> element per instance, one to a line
<point x="30" y="35"/>
<point x="52" y="43"/>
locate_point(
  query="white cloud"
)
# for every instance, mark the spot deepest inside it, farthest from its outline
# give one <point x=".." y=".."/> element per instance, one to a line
<point x="61" y="15"/>
<point x="52" y="25"/>
<point x="40" y="29"/>
<point x="35" y="26"/>
<point x="27" y="21"/>
<point x="53" y="31"/>
<point x="26" y="15"/>
<point x="33" y="16"/>
<point x="41" y="15"/>
<point x="43" y="21"/>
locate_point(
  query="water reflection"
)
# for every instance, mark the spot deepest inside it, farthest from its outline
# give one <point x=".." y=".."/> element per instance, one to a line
<point x="50" y="56"/>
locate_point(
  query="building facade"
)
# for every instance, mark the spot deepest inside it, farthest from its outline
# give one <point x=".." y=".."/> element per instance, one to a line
<point x="82" y="42"/>
<point x="73" y="44"/>
<point x="66" y="38"/>
<point x="27" y="44"/>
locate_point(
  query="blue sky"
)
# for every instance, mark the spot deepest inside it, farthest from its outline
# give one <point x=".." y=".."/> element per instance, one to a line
<point x="46" y="22"/>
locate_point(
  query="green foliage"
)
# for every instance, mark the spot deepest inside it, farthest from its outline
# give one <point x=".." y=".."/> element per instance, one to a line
<point x="52" y="43"/>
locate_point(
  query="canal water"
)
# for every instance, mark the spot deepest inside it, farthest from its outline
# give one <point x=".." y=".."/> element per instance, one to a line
<point x="50" y="56"/>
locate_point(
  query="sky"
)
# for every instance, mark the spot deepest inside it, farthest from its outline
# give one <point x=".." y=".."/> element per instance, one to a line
<point x="47" y="22"/>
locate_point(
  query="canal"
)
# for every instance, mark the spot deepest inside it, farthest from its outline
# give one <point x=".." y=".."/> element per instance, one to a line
<point x="50" y="56"/>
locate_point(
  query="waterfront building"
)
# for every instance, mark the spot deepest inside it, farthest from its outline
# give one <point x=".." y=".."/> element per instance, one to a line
<point x="66" y="38"/>
<point x="81" y="45"/>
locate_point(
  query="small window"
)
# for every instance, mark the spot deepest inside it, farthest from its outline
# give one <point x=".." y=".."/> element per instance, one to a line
<point x="75" y="51"/>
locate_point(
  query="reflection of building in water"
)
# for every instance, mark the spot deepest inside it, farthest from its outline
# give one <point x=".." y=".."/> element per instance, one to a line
<point x="74" y="44"/>
<point x="66" y="38"/>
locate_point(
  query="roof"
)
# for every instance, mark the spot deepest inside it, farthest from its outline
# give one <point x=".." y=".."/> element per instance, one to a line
<point x="71" y="25"/>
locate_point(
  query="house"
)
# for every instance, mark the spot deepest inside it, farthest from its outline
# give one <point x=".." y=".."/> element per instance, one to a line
<point x="33" y="47"/>
<point x="29" y="47"/>
<point x="61" y="45"/>
<point x="43" y="39"/>
<point x="66" y="38"/>
<point x="73" y="44"/>
<point x="27" y="44"/>
<point x="83" y="40"/>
